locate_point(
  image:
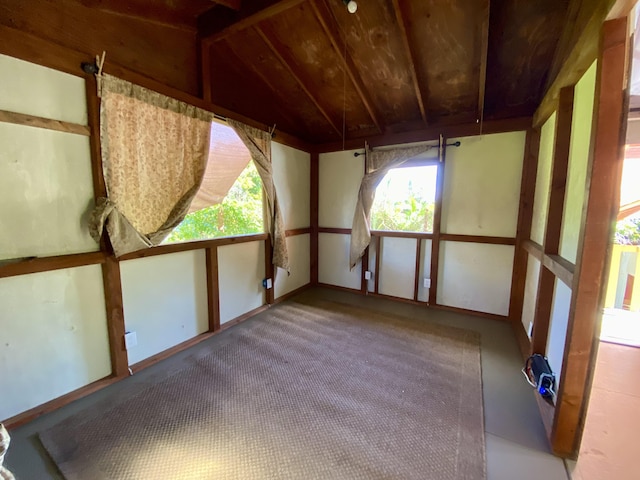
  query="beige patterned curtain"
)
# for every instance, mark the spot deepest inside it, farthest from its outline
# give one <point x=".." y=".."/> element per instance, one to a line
<point x="379" y="162"/>
<point x="259" y="144"/>
<point x="154" y="154"/>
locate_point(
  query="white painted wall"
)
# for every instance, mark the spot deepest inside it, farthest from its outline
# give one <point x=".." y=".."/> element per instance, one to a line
<point x="165" y="301"/>
<point x="558" y="327"/>
<point x="53" y="336"/>
<point x="291" y="174"/>
<point x="299" y="261"/>
<point x="475" y="276"/>
<point x="333" y="261"/>
<point x="240" y="273"/>
<point x="482" y="185"/>
<point x="35" y="90"/>
<point x="340" y="174"/>
<point x="397" y="267"/>
<point x="543" y="179"/>
<point x="530" y="292"/>
<point x="46" y="192"/>
<point x="578" y="161"/>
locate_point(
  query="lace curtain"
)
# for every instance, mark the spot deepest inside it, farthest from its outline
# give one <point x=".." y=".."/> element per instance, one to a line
<point x="379" y="162"/>
<point x="154" y="154"/>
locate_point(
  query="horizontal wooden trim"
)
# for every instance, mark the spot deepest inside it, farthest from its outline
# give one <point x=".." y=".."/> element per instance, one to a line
<point x="430" y="133"/>
<point x="31" y="48"/>
<point x="297" y="231"/>
<point x="292" y="293"/>
<point x="533" y="248"/>
<point x="475" y="313"/>
<point x="41" y="122"/>
<point x="339" y="288"/>
<point x="56" y="403"/>
<point x="399" y="299"/>
<point x="45" y="264"/>
<point x="147" y="362"/>
<point x="561" y="268"/>
<point x="413" y="235"/>
<point x="452" y="237"/>
<point x="197" y="245"/>
<point x="342" y="231"/>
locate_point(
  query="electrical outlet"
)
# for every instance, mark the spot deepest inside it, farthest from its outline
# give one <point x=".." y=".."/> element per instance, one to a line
<point x="267" y="283"/>
<point x="427" y="283"/>
<point x="130" y="340"/>
<point x="367" y="275"/>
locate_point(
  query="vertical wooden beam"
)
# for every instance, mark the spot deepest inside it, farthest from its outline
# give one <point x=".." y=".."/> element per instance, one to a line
<point x="213" y="289"/>
<point x="416" y="283"/>
<point x="437" y="220"/>
<point x="314" y="191"/>
<point x="595" y="242"/>
<point x="365" y="266"/>
<point x="205" y="68"/>
<point x="525" y="217"/>
<point x="376" y="283"/>
<point x="111" y="268"/>
<point x="484" y="50"/>
<point x="269" y="270"/>
<point x="557" y="188"/>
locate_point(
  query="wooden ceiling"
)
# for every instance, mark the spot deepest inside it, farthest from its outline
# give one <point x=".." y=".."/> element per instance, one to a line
<point x="315" y="70"/>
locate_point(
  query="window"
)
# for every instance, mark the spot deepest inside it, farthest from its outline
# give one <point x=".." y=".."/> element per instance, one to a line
<point x="405" y="200"/>
<point x="229" y="201"/>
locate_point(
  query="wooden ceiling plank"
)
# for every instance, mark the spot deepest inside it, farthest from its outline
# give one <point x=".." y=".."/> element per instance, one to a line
<point x="330" y="27"/>
<point x="232" y="4"/>
<point x="411" y="56"/>
<point x="296" y="77"/>
<point x="217" y="24"/>
<point x="484" y="53"/>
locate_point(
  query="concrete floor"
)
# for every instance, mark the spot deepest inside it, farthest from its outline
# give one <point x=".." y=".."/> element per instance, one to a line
<point x="516" y="443"/>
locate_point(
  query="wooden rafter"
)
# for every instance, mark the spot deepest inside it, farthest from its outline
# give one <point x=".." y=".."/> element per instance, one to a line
<point x="295" y="76"/>
<point x="218" y="23"/>
<point x="232" y="4"/>
<point x="411" y="56"/>
<point x="484" y="50"/>
<point x="332" y="31"/>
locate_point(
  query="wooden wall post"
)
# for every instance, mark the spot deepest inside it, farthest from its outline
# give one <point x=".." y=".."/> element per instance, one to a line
<point x="110" y="268"/>
<point x="595" y="242"/>
<point x="314" y="192"/>
<point x="213" y="288"/>
<point x="437" y="216"/>
<point x="555" y="212"/>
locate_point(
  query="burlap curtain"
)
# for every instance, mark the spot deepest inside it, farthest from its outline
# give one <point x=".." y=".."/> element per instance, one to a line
<point x="379" y="162"/>
<point x="259" y="144"/>
<point x="154" y="154"/>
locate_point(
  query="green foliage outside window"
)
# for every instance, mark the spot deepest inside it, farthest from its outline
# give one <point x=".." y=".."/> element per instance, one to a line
<point x="239" y="213"/>
<point x="405" y="205"/>
<point x="628" y="231"/>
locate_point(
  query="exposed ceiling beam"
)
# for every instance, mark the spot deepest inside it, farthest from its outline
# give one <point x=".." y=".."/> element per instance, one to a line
<point x="295" y="76"/>
<point x="411" y="56"/>
<point x="484" y="52"/>
<point x="332" y="30"/>
<point x="232" y="4"/>
<point x="218" y="23"/>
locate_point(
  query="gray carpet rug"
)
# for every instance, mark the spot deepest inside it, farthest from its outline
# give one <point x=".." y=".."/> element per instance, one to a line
<point x="306" y="391"/>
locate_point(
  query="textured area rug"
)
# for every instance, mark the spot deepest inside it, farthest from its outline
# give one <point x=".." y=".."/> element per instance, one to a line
<point x="306" y="391"/>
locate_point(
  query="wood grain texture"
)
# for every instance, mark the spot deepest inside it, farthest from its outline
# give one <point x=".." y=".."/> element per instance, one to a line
<point x="437" y="224"/>
<point x="314" y="199"/>
<point x="297" y="231"/>
<point x="213" y="289"/>
<point x="603" y="177"/>
<point x="40" y="122"/>
<point x="478" y="239"/>
<point x="115" y="317"/>
<point x="26" y="266"/>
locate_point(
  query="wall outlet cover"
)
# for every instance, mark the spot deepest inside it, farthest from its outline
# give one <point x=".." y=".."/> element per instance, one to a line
<point x="367" y="275"/>
<point x="427" y="283"/>
<point x="267" y="283"/>
<point x="130" y="340"/>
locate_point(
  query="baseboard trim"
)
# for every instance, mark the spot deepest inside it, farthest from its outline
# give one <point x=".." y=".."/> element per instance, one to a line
<point x="475" y="313"/>
<point x="338" y="287"/>
<point x="292" y="293"/>
<point x="524" y="343"/>
<point x="398" y="299"/>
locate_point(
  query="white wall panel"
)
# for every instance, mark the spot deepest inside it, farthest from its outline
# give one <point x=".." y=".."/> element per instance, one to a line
<point x="543" y="179"/>
<point x="291" y="174"/>
<point x="475" y="276"/>
<point x="558" y="327"/>
<point x="165" y="301"/>
<point x="35" y="90"/>
<point x="333" y="261"/>
<point x="299" y="260"/>
<point x="340" y="174"/>
<point x="397" y="267"/>
<point x="53" y="336"/>
<point x="578" y="162"/>
<point x="482" y="185"/>
<point x="46" y="191"/>
<point x="530" y="292"/>
<point x="425" y="271"/>
<point x="240" y="273"/>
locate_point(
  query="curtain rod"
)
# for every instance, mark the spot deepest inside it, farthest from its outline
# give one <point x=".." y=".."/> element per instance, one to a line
<point x="429" y="147"/>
